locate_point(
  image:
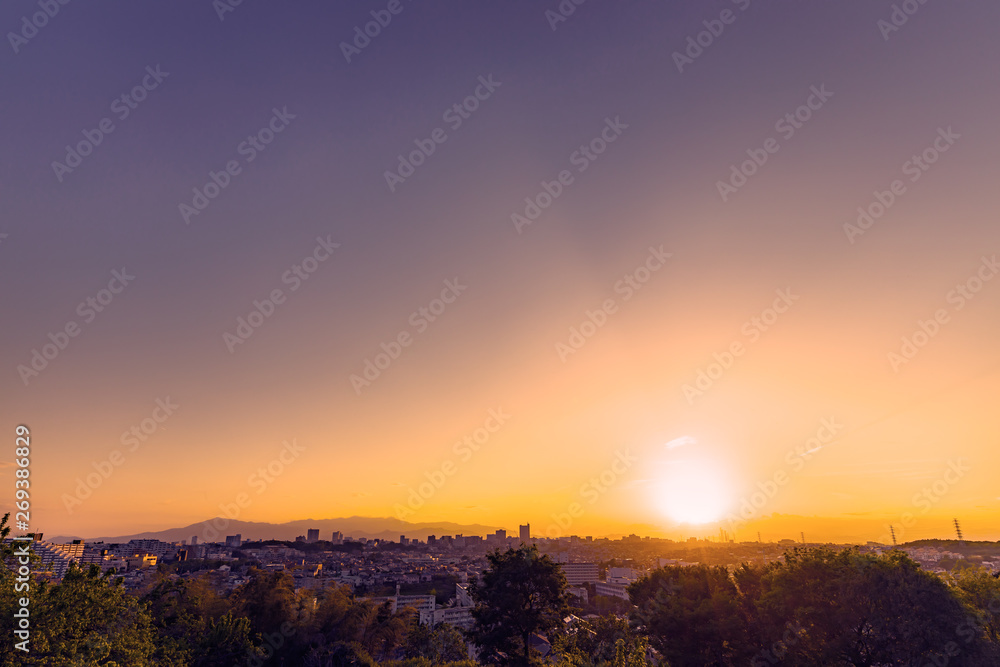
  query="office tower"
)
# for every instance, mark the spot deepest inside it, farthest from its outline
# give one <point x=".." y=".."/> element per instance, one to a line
<point x="526" y="533"/>
<point x="313" y="535"/>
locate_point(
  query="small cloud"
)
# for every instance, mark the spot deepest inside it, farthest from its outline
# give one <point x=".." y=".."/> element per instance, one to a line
<point x="682" y="441"/>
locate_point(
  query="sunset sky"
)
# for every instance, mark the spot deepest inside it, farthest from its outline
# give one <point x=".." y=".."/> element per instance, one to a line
<point x="505" y="293"/>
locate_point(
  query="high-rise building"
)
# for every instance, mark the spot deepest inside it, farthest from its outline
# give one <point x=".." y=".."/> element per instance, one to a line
<point x="194" y="540"/>
<point x="312" y="535"/>
<point x="525" y="531"/>
<point x="501" y="535"/>
<point x="337" y="537"/>
<point x="234" y="540"/>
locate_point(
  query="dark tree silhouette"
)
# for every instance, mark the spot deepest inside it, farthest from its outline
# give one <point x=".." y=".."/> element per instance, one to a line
<point x="521" y="593"/>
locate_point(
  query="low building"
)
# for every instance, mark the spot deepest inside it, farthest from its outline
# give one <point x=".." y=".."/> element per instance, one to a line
<point x="579" y="573"/>
<point x="460" y="617"/>
<point x="611" y="590"/>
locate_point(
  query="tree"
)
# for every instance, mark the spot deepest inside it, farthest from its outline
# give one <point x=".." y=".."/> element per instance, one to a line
<point x="182" y="611"/>
<point x="227" y="641"/>
<point x="693" y="616"/>
<point x="440" y="645"/>
<point x="521" y="593"/>
<point x="588" y="643"/>
<point x="88" y="619"/>
<point x="343" y="629"/>
<point x="980" y="591"/>
<point x="826" y="607"/>
<point x="267" y="599"/>
<point x="632" y="654"/>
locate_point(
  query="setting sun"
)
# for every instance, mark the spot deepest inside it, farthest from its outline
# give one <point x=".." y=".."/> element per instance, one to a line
<point x="693" y="492"/>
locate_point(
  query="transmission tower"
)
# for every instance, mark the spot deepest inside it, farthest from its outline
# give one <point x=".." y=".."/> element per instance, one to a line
<point x="958" y="530"/>
<point x="893" y="531"/>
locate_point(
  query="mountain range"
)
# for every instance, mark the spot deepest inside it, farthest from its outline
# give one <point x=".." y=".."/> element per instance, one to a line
<point x="356" y="526"/>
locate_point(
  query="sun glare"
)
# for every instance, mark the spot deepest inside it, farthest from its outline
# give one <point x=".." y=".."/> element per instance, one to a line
<point x="694" y="492"/>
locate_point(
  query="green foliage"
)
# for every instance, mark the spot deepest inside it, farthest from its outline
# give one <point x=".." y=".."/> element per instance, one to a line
<point x="440" y="645"/>
<point x="227" y="641"/>
<point x="426" y="662"/>
<point x="85" y="620"/>
<point x="521" y="593"/>
<point x="693" y="615"/>
<point x="838" y="607"/>
<point x="819" y="607"/>
<point x="632" y="654"/>
<point x="980" y="592"/>
<point x="267" y="599"/>
<point x="590" y="643"/>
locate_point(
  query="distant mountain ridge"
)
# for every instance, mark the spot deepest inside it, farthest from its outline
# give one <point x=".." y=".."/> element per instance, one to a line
<point x="386" y="528"/>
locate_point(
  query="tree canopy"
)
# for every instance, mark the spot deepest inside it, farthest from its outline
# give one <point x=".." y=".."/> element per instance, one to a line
<point x="521" y="593"/>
